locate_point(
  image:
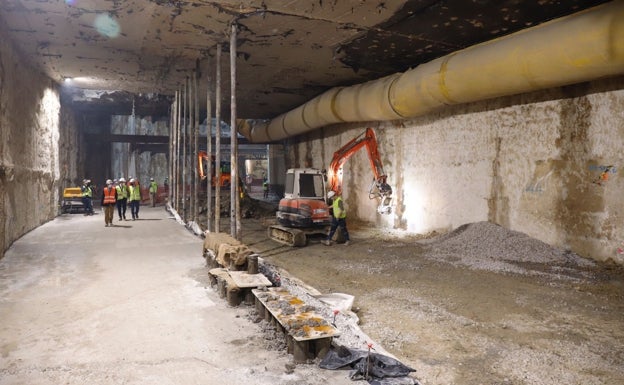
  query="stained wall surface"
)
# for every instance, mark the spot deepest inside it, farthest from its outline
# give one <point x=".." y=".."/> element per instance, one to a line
<point x="36" y="136"/>
<point x="548" y="164"/>
<point x="143" y="165"/>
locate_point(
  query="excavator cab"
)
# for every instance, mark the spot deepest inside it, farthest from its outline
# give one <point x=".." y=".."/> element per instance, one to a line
<point x="304" y="183"/>
<point x="304" y="204"/>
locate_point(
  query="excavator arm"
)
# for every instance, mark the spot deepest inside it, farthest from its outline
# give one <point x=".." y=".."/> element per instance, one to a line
<point x="202" y="157"/>
<point x="379" y="187"/>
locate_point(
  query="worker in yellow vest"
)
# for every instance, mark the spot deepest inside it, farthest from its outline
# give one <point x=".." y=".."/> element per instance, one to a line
<point x="153" y="189"/>
<point x="122" y="199"/>
<point x="87" y="196"/>
<point x="339" y="218"/>
<point x="134" y="198"/>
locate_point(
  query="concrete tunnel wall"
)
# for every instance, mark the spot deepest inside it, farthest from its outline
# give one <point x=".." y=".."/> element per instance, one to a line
<point x="39" y="146"/>
<point x="143" y="165"/>
<point x="548" y="164"/>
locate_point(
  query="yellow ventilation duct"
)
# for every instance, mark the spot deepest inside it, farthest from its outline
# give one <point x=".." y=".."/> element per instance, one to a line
<point x="577" y="48"/>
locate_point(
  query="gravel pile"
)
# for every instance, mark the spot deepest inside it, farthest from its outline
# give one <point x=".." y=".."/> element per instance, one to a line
<point x="487" y="246"/>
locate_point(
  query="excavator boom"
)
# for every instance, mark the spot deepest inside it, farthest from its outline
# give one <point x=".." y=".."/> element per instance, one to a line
<point x="202" y="157"/>
<point x="379" y="188"/>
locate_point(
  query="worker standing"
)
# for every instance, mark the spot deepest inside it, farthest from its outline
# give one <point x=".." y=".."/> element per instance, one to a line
<point x="339" y="218"/>
<point x="87" y="196"/>
<point x="122" y="199"/>
<point x="137" y="185"/>
<point x="109" y="199"/>
<point x="134" y="199"/>
<point x="153" y="189"/>
<point x="265" y="187"/>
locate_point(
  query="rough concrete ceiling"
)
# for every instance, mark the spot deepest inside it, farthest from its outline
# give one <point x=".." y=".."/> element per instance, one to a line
<point x="288" y="50"/>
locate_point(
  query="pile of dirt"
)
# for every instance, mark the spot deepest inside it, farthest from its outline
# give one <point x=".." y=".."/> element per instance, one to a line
<point x="487" y="246"/>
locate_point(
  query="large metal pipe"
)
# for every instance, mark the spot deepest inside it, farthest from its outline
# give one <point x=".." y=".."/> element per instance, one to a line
<point x="572" y="49"/>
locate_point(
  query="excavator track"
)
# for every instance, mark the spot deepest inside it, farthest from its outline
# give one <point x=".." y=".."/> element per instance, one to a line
<point x="287" y="236"/>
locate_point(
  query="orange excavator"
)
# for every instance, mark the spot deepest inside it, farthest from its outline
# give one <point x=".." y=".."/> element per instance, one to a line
<point x="226" y="178"/>
<point x="304" y="210"/>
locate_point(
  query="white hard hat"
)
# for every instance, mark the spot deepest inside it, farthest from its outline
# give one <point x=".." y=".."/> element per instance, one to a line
<point x="151" y="178"/>
<point x="131" y="180"/>
<point x="122" y="180"/>
<point x="331" y="194"/>
<point x="108" y="181"/>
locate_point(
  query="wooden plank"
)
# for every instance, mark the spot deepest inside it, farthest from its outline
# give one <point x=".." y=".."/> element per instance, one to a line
<point x="299" y="319"/>
<point x="244" y="280"/>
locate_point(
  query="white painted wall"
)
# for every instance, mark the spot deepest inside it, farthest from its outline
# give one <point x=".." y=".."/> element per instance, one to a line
<point x="528" y="162"/>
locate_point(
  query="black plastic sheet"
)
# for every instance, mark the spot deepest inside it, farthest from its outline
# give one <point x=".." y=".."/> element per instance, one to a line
<point x="375" y="368"/>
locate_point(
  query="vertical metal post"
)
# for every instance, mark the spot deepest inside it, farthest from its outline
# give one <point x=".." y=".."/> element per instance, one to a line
<point x="189" y="150"/>
<point x="209" y="170"/>
<point x="191" y="143"/>
<point x="235" y="224"/>
<point x="170" y="171"/>
<point x="184" y="125"/>
<point x="169" y="152"/>
<point x="218" y="144"/>
<point x="176" y="151"/>
<point x="178" y="168"/>
<point x="196" y="145"/>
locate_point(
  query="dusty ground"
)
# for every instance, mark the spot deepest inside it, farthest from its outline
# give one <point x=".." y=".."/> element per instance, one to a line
<point x="81" y="303"/>
<point x="481" y="305"/>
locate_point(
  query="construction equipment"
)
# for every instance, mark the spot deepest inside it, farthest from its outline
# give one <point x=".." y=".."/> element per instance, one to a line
<point x="379" y="188"/>
<point x="72" y="200"/>
<point x="305" y="210"/>
<point x="202" y="162"/>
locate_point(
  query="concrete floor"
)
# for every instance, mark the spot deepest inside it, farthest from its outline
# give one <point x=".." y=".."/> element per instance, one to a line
<point x="82" y="303"/>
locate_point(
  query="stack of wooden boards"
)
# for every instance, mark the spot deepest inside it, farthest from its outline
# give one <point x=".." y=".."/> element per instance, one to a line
<point x="234" y="274"/>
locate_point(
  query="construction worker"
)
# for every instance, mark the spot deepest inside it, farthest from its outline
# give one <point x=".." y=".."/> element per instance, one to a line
<point x="87" y="196"/>
<point x="265" y="187"/>
<point x="153" y="189"/>
<point x="137" y="185"/>
<point x="109" y="199"/>
<point x="339" y="218"/>
<point x="134" y="198"/>
<point x="122" y="199"/>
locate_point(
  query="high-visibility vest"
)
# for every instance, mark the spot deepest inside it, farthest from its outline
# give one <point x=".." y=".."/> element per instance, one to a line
<point x="153" y="187"/>
<point x="87" y="192"/>
<point x="109" y="195"/>
<point x="338" y="206"/>
<point x="135" y="193"/>
<point x="122" y="192"/>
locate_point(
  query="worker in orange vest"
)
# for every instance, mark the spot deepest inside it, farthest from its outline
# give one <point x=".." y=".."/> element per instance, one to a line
<point x="109" y="199"/>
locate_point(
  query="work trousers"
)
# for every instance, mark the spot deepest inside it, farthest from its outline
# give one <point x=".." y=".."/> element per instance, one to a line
<point x="338" y="222"/>
<point x="88" y="205"/>
<point x="121" y="208"/>
<point x="134" y="209"/>
<point x="153" y="199"/>
<point x="109" y="212"/>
